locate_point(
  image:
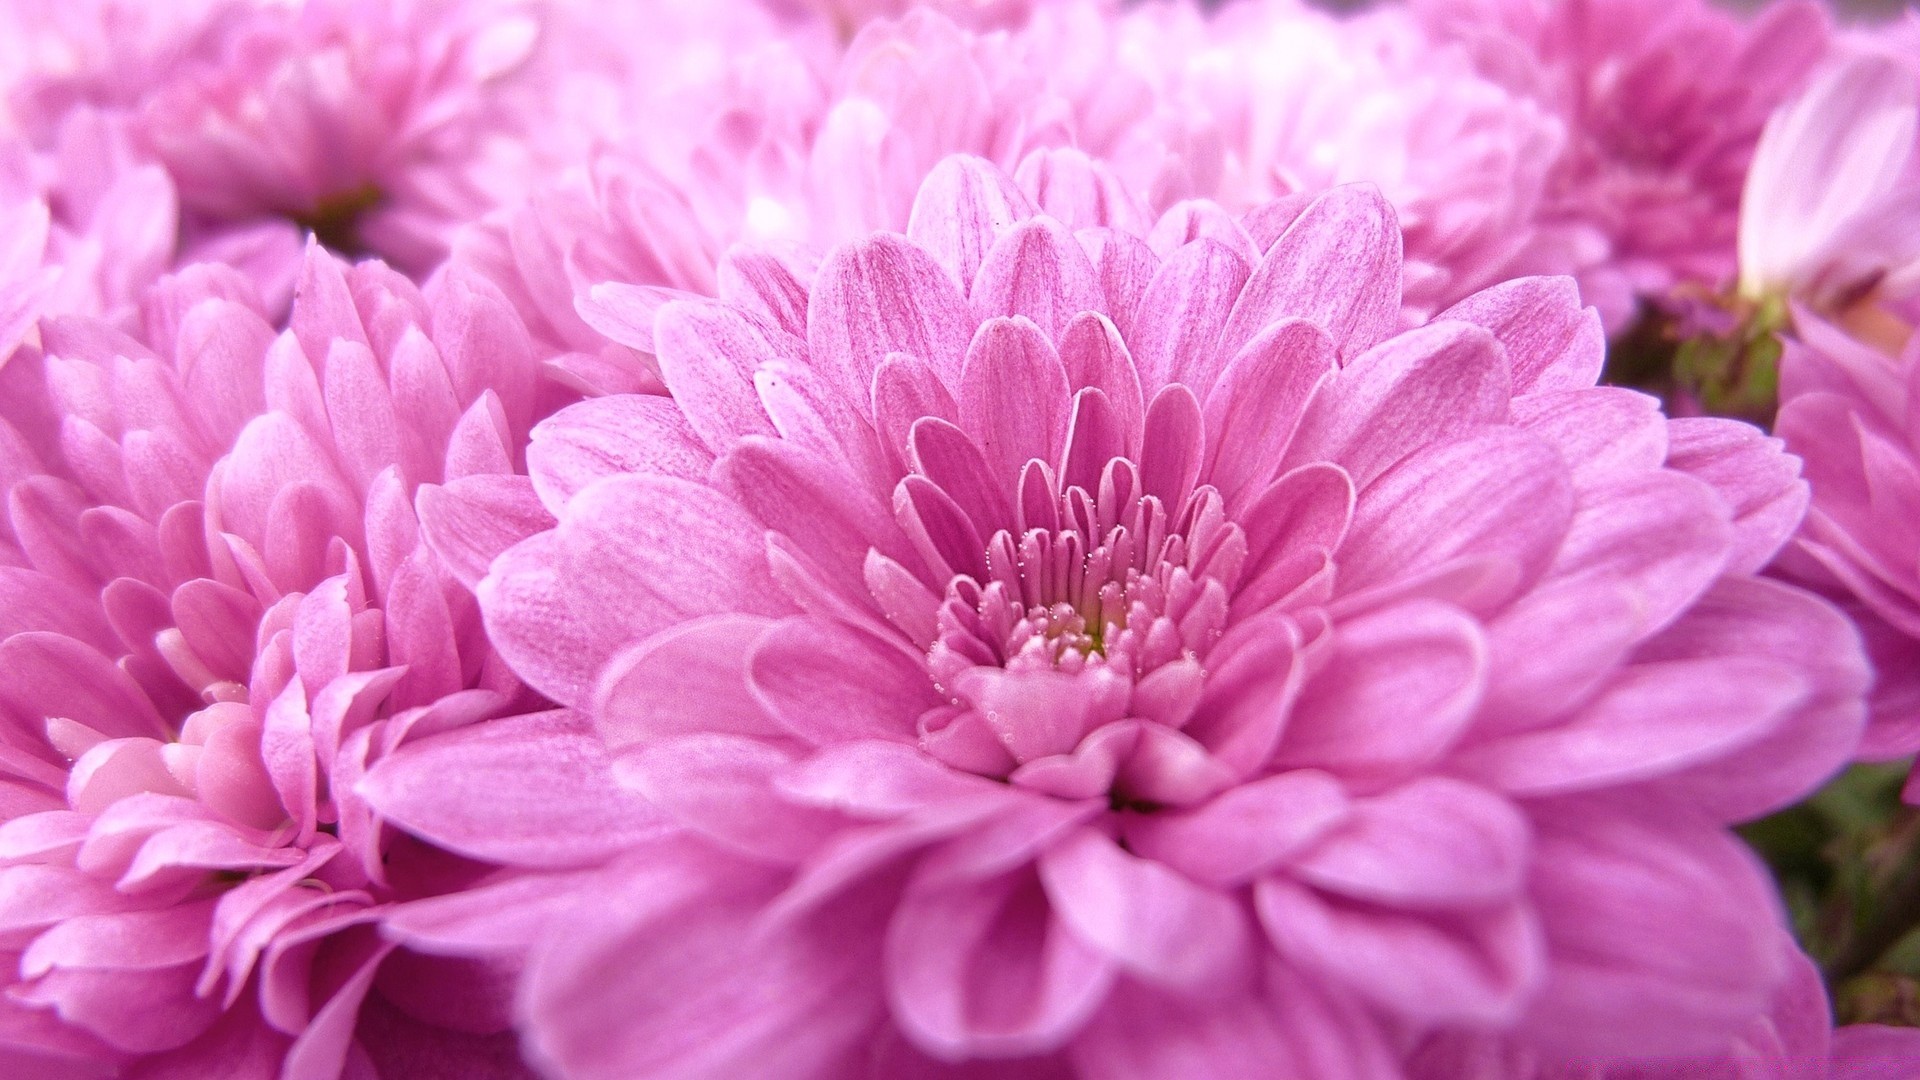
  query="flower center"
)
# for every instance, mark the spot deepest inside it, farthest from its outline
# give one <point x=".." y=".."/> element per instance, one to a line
<point x="1093" y="617"/>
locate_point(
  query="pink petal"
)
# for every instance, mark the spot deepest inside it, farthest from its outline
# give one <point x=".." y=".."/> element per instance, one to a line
<point x="1257" y="402"/>
<point x="1424" y="386"/>
<point x="707" y="355"/>
<point x="1664" y="934"/>
<point x="1554" y="343"/>
<point x="469" y="522"/>
<point x="526" y="791"/>
<point x="1038" y="270"/>
<point x="684" y="679"/>
<point x="1176" y="334"/>
<point x="1013" y="395"/>
<point x="1478" y="967"/>
<point x="1759" y="483"/>
<point x="879" y="296"/>
<point x="1399" y="688"/>
<point x="722" y="786"/>
<point x="827" y="683"/>
<point x="627" y="433"/>
<point x="962" y="207"/>
<point x="1149" y="919"/>
<point x="986" y="969"/>
<point x="1337" y="265"/>
<point x="1434" y="842"/>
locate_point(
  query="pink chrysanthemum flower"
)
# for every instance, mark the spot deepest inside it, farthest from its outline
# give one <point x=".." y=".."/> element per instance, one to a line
<point x="1829" y="228"/>
<point x="219" y="610"/>
<point x="1293" y="101"/>
<point x="1646" y="194"/>
<point x="95" y="222"/>
<point x="1083" y="661"/>
<point x="375" y="125"/>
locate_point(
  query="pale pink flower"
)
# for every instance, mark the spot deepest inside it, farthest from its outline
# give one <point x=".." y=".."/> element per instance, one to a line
<point x="1828" y="229"/>
<point x="1663" y="103"/>
<point x="218" y="612"/>
<point x="1092" y="662"/>
<point x="1831" y="212"/>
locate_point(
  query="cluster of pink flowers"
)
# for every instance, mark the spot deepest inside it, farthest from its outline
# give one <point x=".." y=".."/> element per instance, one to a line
<point x="962" y="539"/>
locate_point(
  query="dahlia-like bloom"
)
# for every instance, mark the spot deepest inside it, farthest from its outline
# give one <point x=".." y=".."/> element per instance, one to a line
<point x="1827" y="236"/>
<point x="219" y="610"/>
<point x="1086" y="662"/>
<point x="1663" y="103"/>
<point x="1277" y="98"/>
<point x="376" y="125"/>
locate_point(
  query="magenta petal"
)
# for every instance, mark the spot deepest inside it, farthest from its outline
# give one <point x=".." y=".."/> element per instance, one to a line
<point x="1038" y="270"/>
<point x="1434" y="842"/>
<point x="1337" y="265"/>
<point x="883" y="295"/>
<point x="828" y="683"/>
<point x="1554" y="343"/>
<point x="1478" y="967"/>
<point x="986" y="969"/>
<point x="1149" y="919"/>
<point x="1013" y="395"/>
<point x="708" y="354"/>
<point x="1182" y="314"/>
<point x="1398" y="690"/>
<point x="469" y="522"/>
<point x="626" y="433"/>
<point x="685" y="679"/>
<point x="1421" y="387"/>
<point x="527" y="790"/>
<point x="962" y="207"/>
<point x="723" y="787"/>
<point x="1664" y="934"/>
<point x="1651" y="720"/>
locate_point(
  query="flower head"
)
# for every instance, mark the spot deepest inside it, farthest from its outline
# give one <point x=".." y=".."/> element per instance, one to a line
<point x="375" y="126"/>
<point x="221" y="610"/>
<point x="1057" y="652"/>
<point x="1646" y="194"/>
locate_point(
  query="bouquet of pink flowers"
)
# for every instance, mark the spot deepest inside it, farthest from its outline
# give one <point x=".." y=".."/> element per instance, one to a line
<point x="958" y="540"/>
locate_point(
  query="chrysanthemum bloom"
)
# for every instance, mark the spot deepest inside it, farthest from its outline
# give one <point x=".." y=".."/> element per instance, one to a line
<point x="1830" y="226"/>
<point x="1271" y="99"/>
<point x="1646" y="194"/>
<point x="1092" y="662"/>
<point x="218" y="611"/>
<point x="378" y="126"/>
